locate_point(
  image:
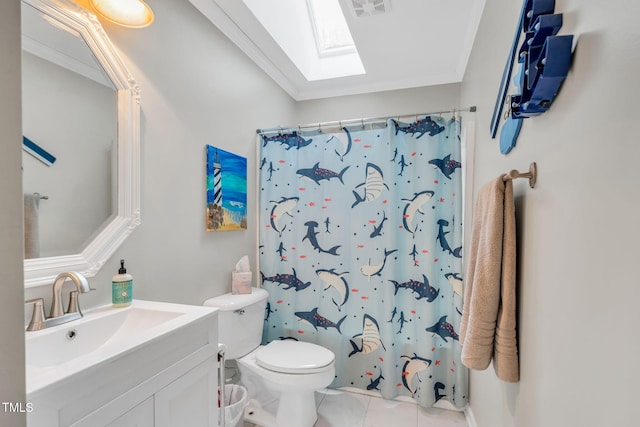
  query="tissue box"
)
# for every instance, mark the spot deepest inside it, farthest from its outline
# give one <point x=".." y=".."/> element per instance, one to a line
<point x="240" y="282"/>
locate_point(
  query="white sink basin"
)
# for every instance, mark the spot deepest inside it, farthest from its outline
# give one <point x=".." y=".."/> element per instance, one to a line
<point x="100" y="328"/>
<point x="103" y="334"/>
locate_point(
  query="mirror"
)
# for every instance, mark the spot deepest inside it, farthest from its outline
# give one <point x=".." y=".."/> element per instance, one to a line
<point x="68" y="109"/>
<point x="81" y="129"/>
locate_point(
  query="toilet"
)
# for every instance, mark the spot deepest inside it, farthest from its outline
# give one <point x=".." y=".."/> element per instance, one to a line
<point x="282" y="376"/>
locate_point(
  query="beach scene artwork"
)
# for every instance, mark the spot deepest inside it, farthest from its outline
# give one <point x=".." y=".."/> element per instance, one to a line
<point x="226" y="190"/>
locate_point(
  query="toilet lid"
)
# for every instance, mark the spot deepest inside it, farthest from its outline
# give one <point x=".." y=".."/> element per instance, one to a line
<point x="294" y="357"/>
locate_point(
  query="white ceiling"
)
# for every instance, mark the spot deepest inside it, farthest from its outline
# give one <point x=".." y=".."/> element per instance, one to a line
<point x="415" y="43"/>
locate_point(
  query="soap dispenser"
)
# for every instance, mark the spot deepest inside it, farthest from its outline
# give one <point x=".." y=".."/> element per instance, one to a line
<point x="122" y="287"/>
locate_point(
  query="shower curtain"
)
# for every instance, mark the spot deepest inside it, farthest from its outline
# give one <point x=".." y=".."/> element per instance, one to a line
<point x="360" y="251"/>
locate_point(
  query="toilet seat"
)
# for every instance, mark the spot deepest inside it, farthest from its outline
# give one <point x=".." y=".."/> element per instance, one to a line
<point x="294" y="357"/>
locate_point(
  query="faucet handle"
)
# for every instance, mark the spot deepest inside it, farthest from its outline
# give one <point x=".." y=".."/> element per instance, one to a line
<point x="37" y="318"/>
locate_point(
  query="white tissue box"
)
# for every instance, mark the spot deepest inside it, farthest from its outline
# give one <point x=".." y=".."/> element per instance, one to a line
<point x="240" y="282"/>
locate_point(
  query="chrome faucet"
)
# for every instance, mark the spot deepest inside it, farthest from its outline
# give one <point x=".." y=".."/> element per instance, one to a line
<point x="57" y="315"/>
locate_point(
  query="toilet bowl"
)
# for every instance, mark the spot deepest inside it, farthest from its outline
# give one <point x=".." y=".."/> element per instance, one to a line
<point x="294" y="371"/>
<point x="282" y="376"/>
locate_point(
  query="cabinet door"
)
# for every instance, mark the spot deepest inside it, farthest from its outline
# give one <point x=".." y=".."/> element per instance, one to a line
<point x="140" y="416"/>
<point x="191" y="400"/>
<point x="111" y="415"/>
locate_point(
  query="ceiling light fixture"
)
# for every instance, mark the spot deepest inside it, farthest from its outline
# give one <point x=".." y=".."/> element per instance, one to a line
<point x="127" y="13"/>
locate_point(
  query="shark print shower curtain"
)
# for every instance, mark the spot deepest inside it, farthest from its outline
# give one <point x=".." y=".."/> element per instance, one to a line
<point x="361" y="252"/>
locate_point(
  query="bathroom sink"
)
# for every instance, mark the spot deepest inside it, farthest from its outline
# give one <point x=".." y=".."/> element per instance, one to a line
<point x="100" y="328"/>
<point x="105" y="334"/>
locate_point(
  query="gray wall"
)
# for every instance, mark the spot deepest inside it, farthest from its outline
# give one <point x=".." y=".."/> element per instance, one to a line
<point x="197" y="88"/>
<point x="12" y="387"/>
<point x="578" y="229"/>
<point x="406" y="101"/>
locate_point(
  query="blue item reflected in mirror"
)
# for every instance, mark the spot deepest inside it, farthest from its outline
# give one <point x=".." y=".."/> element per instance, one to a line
<point x="38" y="152"/>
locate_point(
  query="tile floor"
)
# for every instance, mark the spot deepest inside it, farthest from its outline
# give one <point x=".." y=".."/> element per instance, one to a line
<point x="338" y="408"/>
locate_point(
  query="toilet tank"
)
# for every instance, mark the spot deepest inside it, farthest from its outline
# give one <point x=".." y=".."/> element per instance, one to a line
<point x="240" y="320"/>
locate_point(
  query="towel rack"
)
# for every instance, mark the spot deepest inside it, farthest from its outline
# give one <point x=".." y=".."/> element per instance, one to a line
<point x="532" y="175"/>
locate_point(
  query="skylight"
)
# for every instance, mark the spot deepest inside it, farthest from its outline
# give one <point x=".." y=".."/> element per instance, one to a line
<point x="313" y="34"/>
<point x="330" y="28"/>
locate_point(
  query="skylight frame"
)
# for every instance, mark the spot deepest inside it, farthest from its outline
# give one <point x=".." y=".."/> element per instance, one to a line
<point x="348" y="49"/>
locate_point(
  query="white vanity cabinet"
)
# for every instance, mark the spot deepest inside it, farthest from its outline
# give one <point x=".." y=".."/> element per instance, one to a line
<point x="139" y="416"/>
<point x="169" y="380"/>
<point x="190" y="400"/>
<point x="187" y="401"/>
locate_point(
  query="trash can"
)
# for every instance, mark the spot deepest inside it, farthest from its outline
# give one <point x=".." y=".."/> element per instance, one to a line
<point x="235" y="400"/>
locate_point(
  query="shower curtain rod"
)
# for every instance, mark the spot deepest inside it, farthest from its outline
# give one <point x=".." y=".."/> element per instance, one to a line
<point x="362" y="121"/>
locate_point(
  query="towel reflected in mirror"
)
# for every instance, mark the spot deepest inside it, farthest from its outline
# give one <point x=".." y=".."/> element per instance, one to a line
<point x="31" y="226"/>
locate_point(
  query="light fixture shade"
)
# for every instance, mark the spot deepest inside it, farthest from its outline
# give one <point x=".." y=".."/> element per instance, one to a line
<point x="128" y="13"/>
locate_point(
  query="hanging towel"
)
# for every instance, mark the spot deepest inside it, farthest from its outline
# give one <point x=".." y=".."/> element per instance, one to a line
<point x="488" y="328"/>
<point x="31" y="226"/>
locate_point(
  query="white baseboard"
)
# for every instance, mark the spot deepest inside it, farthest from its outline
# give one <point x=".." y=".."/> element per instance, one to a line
<point x="471" y="419"/>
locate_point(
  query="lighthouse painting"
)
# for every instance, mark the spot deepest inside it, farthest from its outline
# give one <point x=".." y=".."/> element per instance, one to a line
<point x="226" y="190"/>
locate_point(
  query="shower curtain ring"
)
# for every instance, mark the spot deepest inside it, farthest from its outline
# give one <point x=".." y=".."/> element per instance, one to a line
<point x="362" y="122"/>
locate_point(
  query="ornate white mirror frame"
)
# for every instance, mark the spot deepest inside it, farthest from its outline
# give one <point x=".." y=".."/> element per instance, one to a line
<point x="42" y="271"/>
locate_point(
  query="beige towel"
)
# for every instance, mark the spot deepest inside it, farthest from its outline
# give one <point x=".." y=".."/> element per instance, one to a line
<point x="488" y="328"/>
<point x="31" y="226"/>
